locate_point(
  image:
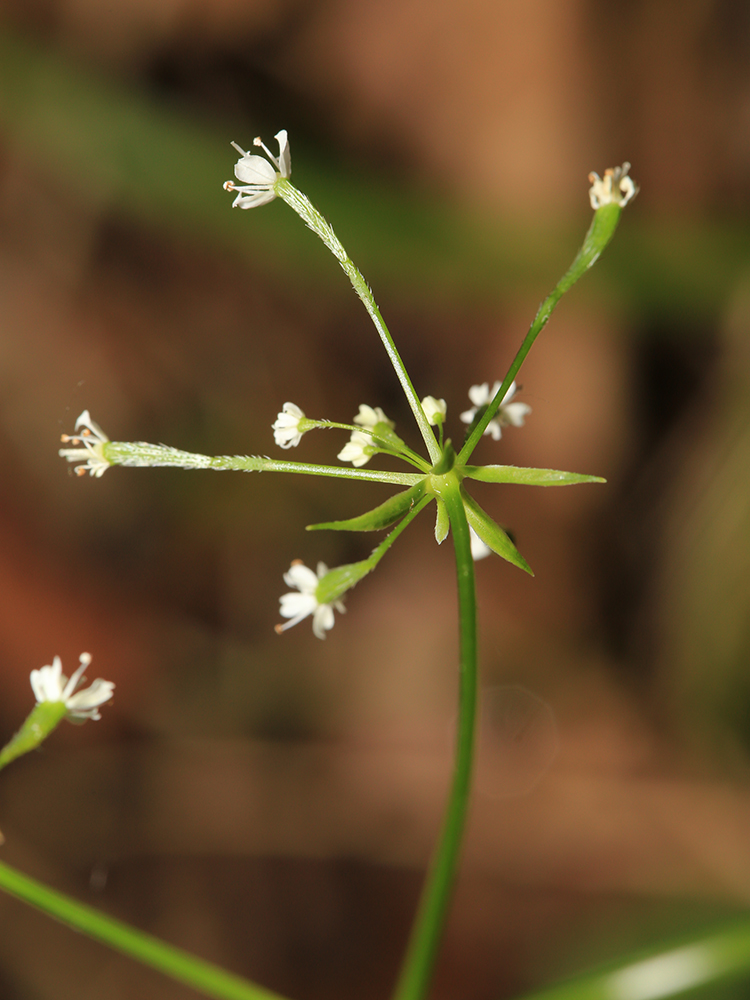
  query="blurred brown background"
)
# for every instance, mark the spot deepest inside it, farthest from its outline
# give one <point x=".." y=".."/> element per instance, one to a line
<point x="270" y="802"/>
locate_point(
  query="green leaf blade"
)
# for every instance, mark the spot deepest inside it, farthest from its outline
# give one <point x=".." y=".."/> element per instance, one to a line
<point x="527" y="477"/>
<point x="380" y="517"/>
<point x="492" y="534"/>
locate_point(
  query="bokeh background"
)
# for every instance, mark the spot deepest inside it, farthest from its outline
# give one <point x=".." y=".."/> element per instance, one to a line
<point x="270" y="802"/>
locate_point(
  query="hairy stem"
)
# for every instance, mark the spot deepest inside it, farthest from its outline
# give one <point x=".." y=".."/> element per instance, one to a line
<point x="142" y="454"/>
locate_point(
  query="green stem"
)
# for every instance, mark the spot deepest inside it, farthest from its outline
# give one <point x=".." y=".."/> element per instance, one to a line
<point x="142" y="454"/>
<point x="209" y="979"/>
<point x="600" y="232"/>
<point x="416" y="971"/>
<point x="43" y="718"/>
<point x="309" y="214"/>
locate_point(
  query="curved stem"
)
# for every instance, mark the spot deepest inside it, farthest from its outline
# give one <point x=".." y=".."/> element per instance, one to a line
<point x="416" y="972"/>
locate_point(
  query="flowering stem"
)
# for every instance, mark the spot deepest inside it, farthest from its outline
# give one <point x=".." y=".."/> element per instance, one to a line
<point x="40" y="722"/>
<point x="309" y="214"/>
<point x="416" y="971"/>
<point x="141" y="453"/>
<point x="209" y="979"/>
<point x="600" y="232"/>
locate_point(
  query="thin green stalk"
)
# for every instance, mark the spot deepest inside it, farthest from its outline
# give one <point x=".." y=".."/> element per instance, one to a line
<point x="203" y="976"/>
<point x="416" y="972"/>
<point x="142" y="454"/>
<point x="600" y="232"/>
<point x="309" y="214"/>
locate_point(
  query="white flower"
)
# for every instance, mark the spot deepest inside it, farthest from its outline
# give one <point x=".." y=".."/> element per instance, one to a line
<point x="508" y="413"/>
<point x="51" y="684"/>
<point x="479" y="549"/>
<point x="297" y="606"/>
<point x="286" y="430"/>
<point x="259" y="175"/>
<point x="368" y="416"/>
<point x="358" y="450"/>
<point x="89" y="447"/>
<point x="434" y="409"/>
<point x="614" y="188"/>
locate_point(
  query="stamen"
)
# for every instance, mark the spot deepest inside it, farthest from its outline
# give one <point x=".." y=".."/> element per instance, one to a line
<point x="257" y="141"/>
<point x="238" y="148"/>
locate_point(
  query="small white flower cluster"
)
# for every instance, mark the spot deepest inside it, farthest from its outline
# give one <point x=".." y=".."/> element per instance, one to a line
<point x="51" y="684"/>
<point x="258" y="175"/>
<point x="89" y="447"/>
<point x="359" y="449"/>
<point x="614" y="188"/>
<point x="508" y="415"/>
<point x="297" y="606"/>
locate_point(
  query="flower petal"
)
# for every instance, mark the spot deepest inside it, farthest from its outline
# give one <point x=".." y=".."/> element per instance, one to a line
<point x="299" y="606"/>
<point x="302" y="577"/>
<point x="47" y="683"/>
<point x="253" y="200"/>
<point x="285" y="156"/>
<point x="323" y="619"/>
<point x="479" y="394"/>
<point x="255" y="170"/>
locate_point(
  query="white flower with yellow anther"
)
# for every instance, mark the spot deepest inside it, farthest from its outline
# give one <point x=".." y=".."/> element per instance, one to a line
<point x="508" y="414"/>
<point x="434" y="409"/>
<point x="89" y="447"/>
<point x="51" y="684"/>
<point x="297" y="606"/>
<point x="614" y="188"/>
<point x="286" y="429"/>
<point x="259" y="175"/>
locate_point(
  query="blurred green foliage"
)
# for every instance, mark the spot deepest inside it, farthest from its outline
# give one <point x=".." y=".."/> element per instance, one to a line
<point x="120" y="147"/>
